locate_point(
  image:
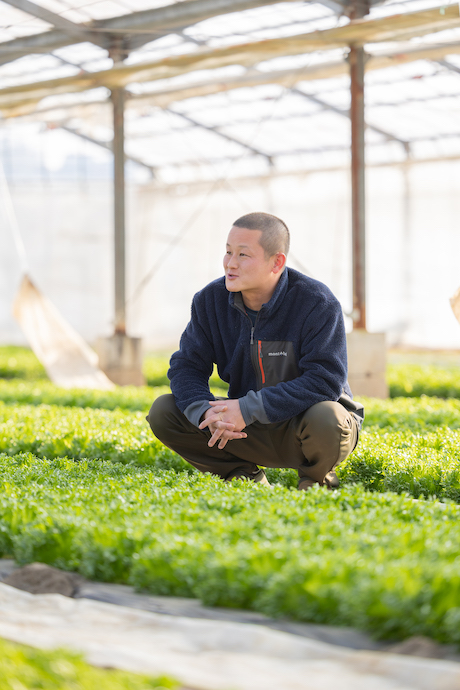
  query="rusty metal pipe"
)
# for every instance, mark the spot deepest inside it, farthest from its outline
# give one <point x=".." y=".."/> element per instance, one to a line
<point x="117" y="96"/>
<point x="358" y="205"/>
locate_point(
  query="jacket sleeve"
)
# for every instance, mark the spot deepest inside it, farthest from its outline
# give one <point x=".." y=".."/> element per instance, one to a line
<point x="322" y="365"/>
<point x="192" y="365"/>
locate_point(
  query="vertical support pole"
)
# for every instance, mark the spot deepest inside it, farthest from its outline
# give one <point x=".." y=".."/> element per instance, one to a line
<point x="358" y="205"/>
<point x="406" y="239"/>
<point x="358" y="9"/>
<point x="119" y="209"/>
<point x="367" y="363"/>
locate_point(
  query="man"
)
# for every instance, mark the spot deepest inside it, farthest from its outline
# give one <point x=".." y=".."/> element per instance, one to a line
<point x="278" y="338"/>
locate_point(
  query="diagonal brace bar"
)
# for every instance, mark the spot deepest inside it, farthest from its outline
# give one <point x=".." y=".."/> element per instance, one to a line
<point x="80" y="32"/>
<point x="233" y="140"/>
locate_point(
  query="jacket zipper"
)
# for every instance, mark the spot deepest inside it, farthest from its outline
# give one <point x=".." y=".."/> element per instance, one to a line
<point x="256" y="357"/>
<point x="261" y="364"/>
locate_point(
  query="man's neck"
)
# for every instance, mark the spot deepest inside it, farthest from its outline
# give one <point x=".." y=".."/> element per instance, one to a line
<point x="254" y="300"/>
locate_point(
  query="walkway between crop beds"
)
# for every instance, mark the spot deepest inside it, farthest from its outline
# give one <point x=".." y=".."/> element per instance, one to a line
<point x="205" y="648"/>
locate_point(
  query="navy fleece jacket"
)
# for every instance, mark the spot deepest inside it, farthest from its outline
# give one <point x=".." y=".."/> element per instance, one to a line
<point x="302" y="311"/>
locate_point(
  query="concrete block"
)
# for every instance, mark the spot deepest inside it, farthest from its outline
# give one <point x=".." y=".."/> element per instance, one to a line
<point x="120" y="358"/>
<point x="367" y="363"/>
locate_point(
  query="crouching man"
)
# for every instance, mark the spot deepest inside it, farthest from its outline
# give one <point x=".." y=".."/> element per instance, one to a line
<point x="278" y="339"/>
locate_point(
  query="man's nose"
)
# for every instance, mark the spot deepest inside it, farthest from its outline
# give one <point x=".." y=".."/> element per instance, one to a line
<point x="232" y="261"/>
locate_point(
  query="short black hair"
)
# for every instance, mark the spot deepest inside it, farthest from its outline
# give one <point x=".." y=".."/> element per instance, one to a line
<point x="275" y="233"/>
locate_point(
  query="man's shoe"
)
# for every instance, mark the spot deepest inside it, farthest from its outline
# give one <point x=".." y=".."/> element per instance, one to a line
<point x="264" y="481"/>
<point x="258" y="478"/>
<point x="305" y="484"/>
<point x="331" y="480"/>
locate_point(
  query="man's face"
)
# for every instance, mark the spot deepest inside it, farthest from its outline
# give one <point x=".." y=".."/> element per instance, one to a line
<point x="246" y="266"/>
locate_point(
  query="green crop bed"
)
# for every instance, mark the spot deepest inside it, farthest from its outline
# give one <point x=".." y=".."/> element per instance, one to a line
<point x="408" y="445"/>
<point x="408" y="374"/>
<point x="382" y="562"/>
<point x="24" y="668"/>
<point x="20" y="362"/>
<point x="86" y="487"/>
<point x="415" y="380"/>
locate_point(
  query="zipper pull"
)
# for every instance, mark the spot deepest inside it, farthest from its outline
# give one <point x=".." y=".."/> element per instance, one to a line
<point x="252" y="335"/>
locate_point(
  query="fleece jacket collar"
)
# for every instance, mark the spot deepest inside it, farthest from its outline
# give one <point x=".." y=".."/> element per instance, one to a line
<point x="235" y="299"/>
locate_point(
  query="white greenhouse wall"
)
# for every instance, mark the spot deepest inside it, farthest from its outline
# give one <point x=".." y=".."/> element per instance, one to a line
<point x="413" y="248"/>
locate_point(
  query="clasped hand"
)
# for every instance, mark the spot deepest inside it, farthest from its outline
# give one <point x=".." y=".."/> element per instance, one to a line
<point x="225" y="422"/>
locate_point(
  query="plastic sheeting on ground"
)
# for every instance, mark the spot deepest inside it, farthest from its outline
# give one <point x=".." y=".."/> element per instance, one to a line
<point x="209" y="655"/>
<point x="68" y="360"/>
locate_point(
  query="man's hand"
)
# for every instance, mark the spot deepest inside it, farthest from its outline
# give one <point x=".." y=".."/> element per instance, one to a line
<point x="225" y="422"/>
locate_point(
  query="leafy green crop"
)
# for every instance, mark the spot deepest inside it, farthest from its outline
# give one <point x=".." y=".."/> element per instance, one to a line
<point x="123" y="398"/>
<point x="411" y="375"/>
<point x="419" y="464"/>
<point x="411" y="414"/>
<point x="20" y="362"/>
<point x="403" y="447"/>
<point x="424" y="379"/>
<point x="381" y="562"/>
<point x="155" y="369"/>
<point x="124" y="508"/>
<point x="408" y="445"/>
<point x="24" y="668"/>
<point x="50" y="431"/>
<point x="45" y="392"/>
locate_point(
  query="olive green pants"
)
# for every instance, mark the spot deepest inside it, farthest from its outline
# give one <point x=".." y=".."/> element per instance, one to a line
<point x="313" y="442"/>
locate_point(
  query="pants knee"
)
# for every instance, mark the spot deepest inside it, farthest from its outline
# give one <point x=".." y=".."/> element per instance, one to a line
<point x="331" y="427"/>
<point x="326" y="418"/>
<point x="163" y="408"/>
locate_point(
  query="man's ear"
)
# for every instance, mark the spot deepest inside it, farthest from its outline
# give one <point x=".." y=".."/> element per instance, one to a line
<point x="280" y="262"/>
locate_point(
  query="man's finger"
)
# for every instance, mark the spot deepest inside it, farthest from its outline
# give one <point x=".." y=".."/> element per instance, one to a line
<point x="215" y="437"/>
<point x="215" y="416"/>
<point x="230" y="436"/>
<point x="217" y="406"/>
<point x="227" y="435"/>
<point x="216" y="421"/>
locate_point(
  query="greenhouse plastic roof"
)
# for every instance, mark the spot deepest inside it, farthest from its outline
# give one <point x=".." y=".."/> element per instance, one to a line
<point x="234" y="87"/>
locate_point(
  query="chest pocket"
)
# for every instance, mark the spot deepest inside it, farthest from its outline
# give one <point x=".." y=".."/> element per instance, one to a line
<point x="276" y="362"/>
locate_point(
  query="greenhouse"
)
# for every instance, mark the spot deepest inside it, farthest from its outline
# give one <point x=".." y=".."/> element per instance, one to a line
<point x="133" y="134"/>
<point x="229" y="107"/>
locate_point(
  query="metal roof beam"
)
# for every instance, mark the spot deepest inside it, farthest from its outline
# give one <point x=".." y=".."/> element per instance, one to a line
<point x="76" y="32"/>
<point x="344" y="7"/>
<point x="310" y="171"/>
<point x="143" y="27"/>
<point x="138" y="40"/>
<point x="162" y="98"/>
<point x="78" y="110"/>
<point x="346" y="113"/>
<point x="449" y="66"/>
<point x="345" y="148"/>
<point x="227" y="137"/>
<point x="106" y="145"/>
<point x="336" y="6"/>
<point x="249" y="54"/>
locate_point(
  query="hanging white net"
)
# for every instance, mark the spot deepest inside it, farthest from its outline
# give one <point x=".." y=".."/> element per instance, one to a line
<point x="455" y="304"/>
<point x="68" y="360"/>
